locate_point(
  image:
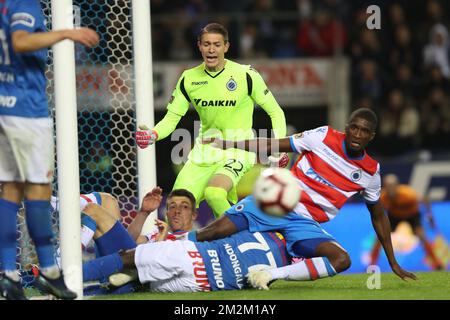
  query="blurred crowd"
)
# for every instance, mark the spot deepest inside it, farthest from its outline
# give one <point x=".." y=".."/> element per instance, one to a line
<point x="402" y="71"/>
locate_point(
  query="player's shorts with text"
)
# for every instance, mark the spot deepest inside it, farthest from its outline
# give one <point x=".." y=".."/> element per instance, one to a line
<point x="26" y="149"/>
<point x="171" y="266"/>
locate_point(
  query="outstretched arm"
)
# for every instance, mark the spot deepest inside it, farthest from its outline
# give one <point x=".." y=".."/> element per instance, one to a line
<point x="259" y="145"/>
<point x="218" y="229"/>
<point x="382" y="228"/>
<point x="24" y="41"/>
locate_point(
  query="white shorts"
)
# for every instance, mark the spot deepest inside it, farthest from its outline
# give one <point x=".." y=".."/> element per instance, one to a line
<point x="26" y="149"/>
<point x="171" y="266"/>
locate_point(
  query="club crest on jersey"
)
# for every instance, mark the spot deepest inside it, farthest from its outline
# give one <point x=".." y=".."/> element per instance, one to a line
<point x="356" y="175"/>
<point x="231" y="85"/>
<point x="239" y="207"/>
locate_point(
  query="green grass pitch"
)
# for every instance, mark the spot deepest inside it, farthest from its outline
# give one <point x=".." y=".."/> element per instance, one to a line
<point x="431" y="285"/>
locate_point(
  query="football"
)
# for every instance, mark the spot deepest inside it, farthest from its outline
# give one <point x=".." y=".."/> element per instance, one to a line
<point x="276" y="191"/>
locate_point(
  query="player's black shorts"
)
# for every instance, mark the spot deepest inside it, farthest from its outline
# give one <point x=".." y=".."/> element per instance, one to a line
<point x="414" y="221"/>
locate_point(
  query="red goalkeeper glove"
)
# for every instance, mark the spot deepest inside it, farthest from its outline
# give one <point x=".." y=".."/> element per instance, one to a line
<point x="145" y="137"/>
<point x="280" y="160"/>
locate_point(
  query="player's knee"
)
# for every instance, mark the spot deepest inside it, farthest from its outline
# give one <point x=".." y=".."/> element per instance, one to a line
<point x="341" y="261"/>
<point x="215" y="193"/>
<point x="92" y="210"/>
<point x="111" y="204"/>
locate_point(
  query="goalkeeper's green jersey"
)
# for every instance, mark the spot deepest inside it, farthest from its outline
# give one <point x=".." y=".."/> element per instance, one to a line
<point x="224" y="101"/>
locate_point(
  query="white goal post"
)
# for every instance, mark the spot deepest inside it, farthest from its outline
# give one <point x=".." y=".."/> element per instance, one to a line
<point x="65" y="97"/>
<point x="67" y="148"/>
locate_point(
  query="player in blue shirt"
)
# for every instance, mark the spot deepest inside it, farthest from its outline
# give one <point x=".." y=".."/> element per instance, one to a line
<point x="26" y="140"/>
<point x="186" y="266"/>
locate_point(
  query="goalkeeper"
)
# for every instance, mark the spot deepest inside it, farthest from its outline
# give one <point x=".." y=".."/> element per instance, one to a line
<point x="223" y="93"/>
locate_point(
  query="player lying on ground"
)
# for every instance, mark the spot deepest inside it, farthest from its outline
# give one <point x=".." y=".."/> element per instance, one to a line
<point x="186" y="266"/>
<point x="402" y="204"/>
<point x="223" y="93"/>
<point x="26" y="141"/>
<point x="101" y="219"/>
<point x="333" y="166"/>
<point x="180" y="213"/>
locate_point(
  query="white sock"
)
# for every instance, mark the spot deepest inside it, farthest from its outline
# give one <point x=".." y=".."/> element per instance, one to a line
<point x="309" y="269"/>
<point x="51" y="272"/>
<point x="13" y="275"/>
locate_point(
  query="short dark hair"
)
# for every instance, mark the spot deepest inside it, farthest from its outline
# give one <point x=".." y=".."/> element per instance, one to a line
<point x="366" y="114"/>
<point x="182" y="193"/>
<point x="214" y="28"/>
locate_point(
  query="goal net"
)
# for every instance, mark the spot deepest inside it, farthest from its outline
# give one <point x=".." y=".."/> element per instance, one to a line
<point x="104" y="81"/>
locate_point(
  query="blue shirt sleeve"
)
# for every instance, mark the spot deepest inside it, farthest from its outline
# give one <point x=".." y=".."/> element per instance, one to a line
<point x="26" y="15"/>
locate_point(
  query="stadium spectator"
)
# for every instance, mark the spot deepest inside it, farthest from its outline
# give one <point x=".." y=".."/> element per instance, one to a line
<point x="396" y="16"/>
<point x="26" y="141"/>
<point x="402" y="50"/>
<point x="399" y="124"/>
<point x="322" y="36"/>
<point x="437" y="50"/>
<point x="248" y="41"/>
<point x="403" y="205"/>
<point x="214" y="88"/>
<point x="369" y="81"/>
<point x="266" y="30"/>
<point x="434" y="79"/>
<point x="406" y="81"/>
<point x="434" y="14"/>
<point x="435" y="120"/>
<point x="368" y="46"/>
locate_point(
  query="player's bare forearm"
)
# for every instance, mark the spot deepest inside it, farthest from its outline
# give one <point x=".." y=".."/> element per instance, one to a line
<point x="150" y="203"/>
<point x="382" y="227"/>
<point x="135" y="227"/>
<point x="259" y="145"/>
<point x="24" y="41"/>
<point x="27" y="42"/>
<point x="218" y="229"/>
